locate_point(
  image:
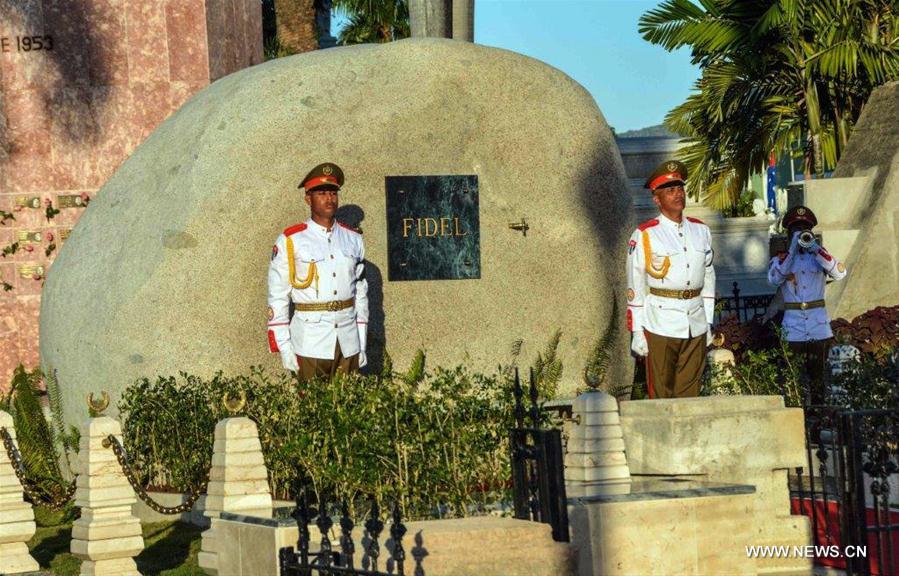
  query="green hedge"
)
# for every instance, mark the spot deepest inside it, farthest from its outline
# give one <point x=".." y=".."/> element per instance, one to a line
<point x="435" y="442"/>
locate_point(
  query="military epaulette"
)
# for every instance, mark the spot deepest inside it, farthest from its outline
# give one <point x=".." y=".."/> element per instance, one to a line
<point x="648" y="224"/>
<point x="695" y="220"/>
<point x="294" y="229"/>
<point x="348" y="227"/>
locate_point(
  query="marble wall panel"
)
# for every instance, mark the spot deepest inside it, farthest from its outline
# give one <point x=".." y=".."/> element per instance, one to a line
<point x="188" y="53"/>
<point x="28" y="123"/>
<point x="151" y="103"/>
<point x="66" y="23"/>
<point x="9" y="333"/>
<point x="107" y="48"/>
<point x="147" y="42"/>
<point x="26" y="313"/>
<point x="24" y="174"/>
<point x="71" y="115"/>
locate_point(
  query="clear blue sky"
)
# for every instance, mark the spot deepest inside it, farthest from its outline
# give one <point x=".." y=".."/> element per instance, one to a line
<point x="595" y="42"/>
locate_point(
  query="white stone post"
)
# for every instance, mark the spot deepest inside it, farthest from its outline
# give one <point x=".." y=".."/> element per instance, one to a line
<point x="721" y="360"/>
<point x="16" y="516"/>
<point x="238" y="482"/>
<point x="107" y="536"/>
<point x="596" y="463"/>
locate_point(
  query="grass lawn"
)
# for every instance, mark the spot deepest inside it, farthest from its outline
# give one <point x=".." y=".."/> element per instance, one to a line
<point x="170" y="548"/>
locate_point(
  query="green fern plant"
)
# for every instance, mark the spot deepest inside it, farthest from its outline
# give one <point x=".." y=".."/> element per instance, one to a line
<point x="416" y="372"/>
<point x="36" y="438"/>
<point x="548" y="367"/>
<point x="596" y="370"/>
<point x="66" y="440"/>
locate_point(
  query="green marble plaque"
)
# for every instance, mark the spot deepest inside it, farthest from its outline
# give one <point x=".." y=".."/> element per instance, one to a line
<point x="433" y="228"/>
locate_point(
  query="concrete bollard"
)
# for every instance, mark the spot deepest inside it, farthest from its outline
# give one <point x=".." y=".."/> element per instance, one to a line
<point x="16" y="516"/>
<point x="107" y="536"/>
<point x="596" y="462"/>
<point x="238" y="482"/>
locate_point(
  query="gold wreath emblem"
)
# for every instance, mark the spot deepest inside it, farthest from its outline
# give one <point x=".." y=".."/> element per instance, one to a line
<point x="97" y="407"/>
<point x="718" y="340"/>
<point x="234" y="405"/>
<point x="671" y="166"/>
<point x="592" y="379"/>
<point x="327" y="170"/>
<point x="801" y="211"/>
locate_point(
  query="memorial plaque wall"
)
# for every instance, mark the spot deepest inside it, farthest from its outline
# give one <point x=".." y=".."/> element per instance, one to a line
<point x="433" y="228"/>
<point x="82" y="83"/>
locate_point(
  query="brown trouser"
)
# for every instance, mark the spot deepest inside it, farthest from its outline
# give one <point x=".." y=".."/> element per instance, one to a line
<point x="815" y="357"/>
<point x="327" y="367"/>
<point x="674" y="366"/>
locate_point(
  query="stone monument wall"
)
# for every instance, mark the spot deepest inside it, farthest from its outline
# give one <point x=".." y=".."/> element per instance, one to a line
<point x="872" y="156"/>
<point x="82" y="83"/>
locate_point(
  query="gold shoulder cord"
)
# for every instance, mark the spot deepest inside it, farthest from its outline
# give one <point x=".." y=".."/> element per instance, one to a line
<point x="312" y="275"/>
<point x="657" y="273"/>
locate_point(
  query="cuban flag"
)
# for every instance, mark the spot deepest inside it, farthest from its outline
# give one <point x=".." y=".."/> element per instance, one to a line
<point x="772" y="182"/>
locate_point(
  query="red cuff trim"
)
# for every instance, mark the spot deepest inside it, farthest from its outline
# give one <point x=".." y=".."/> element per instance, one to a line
<point x="630" y="321"/>
<point x="823" y="253"/>
<point x="272" y="343"/>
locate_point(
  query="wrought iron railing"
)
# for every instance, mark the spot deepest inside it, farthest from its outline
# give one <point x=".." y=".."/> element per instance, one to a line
<point x="745" y="308"/>
<point x="847" y="488"/>
<point x="538" y="471"/>
<point x="327" y="561"/>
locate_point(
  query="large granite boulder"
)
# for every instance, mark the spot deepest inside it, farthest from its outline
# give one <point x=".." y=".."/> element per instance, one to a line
<point x="166" y="271"/>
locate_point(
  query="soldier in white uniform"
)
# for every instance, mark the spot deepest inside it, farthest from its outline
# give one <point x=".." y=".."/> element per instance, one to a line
<point x="671" y="289"/>
<point x="801" y="274"/>
<point x="318" y="267"/>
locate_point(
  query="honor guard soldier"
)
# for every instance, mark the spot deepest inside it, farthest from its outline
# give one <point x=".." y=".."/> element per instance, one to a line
<point x="317" y="268"/>
<point x="671" y="289"/>
<point x="801" y="274"/>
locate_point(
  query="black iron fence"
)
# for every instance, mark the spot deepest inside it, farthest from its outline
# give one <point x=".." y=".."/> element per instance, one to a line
<point x="745" y="308"/>
<point x="538" y="473"/>
<point x="849" y="488"/>
<point x="302" y="561"/>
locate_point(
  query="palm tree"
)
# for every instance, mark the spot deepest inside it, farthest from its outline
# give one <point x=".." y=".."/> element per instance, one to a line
<point x="373" y="21"/>
<point x="774" y="73"/>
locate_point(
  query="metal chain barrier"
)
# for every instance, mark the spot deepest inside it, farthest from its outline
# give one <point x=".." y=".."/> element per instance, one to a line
<point x="53" y="501"/>
<point x="112" y="442"/>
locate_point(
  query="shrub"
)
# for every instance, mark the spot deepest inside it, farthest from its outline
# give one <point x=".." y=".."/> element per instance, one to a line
<point x="870" y="381"/>
<point x="773" y="371"/>
<point x="432" y="441"/>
